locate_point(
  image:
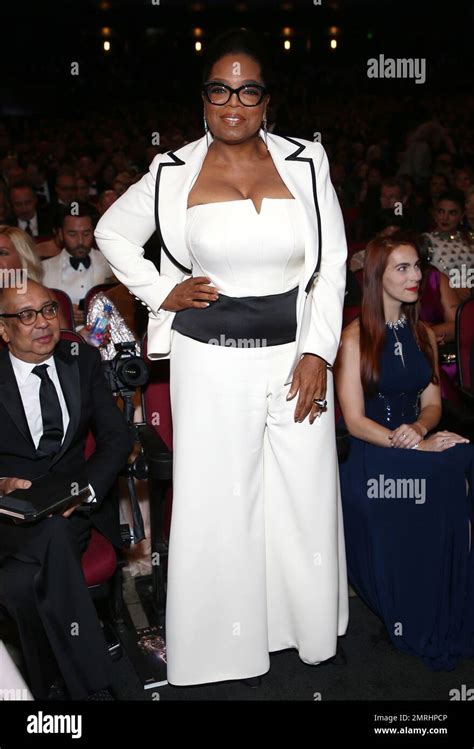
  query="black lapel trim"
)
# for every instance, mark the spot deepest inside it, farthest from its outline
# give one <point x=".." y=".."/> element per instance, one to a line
<point x="69" y="376"/>
<point x="292" y="157"/>
<point x="295" y="157"/>
<point x="176" y="162"/>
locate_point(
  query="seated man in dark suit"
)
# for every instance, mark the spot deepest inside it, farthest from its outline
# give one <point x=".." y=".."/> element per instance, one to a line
<point x="26" y="213"/>
<point x="52" y="393"/>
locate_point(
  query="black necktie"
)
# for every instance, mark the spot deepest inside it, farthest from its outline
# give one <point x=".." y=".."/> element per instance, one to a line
<point x="28" y="229"/>
<point x="51" y="413"/>
<point x="76" y="261"/>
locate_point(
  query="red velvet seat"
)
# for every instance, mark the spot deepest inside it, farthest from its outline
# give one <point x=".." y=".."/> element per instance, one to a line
<point x="66" y="307"/>
<point x="349" y="314"/>
<point x="465" y="342"/>
<point x="99" y="560"/>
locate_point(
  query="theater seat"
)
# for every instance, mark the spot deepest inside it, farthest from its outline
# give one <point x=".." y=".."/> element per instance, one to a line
<point x="66" y="306"/>
<point x="99" y="560"/>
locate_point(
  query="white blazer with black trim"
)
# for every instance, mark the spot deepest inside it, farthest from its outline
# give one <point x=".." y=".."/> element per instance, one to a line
<point x="159" y="200"/>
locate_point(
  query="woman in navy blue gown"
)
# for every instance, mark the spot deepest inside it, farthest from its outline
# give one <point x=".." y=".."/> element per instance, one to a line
<point x="407" y="490"/>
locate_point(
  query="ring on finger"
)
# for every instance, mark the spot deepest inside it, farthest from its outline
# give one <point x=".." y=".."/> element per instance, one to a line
<point x="321" y="402"/>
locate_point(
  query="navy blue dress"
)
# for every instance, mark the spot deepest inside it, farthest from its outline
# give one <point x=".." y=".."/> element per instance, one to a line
<point x="407" y="517"/>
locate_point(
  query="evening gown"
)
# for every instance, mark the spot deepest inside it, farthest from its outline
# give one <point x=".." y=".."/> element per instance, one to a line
<point x="408" y="545"/>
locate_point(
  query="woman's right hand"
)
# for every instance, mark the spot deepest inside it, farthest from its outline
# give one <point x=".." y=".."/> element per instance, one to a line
<point x="441" y="441"/>
<point x="194" y="292"/>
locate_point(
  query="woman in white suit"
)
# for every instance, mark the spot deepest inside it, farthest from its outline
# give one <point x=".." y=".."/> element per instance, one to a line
<point x="248" y="307"/>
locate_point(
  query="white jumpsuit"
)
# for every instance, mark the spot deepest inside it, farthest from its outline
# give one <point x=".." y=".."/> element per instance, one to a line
<point x="256" y="554"/>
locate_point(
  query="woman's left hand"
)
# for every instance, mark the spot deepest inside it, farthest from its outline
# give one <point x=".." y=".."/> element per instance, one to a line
<point x="407" y="435"/>
<point x="310" y="381"/>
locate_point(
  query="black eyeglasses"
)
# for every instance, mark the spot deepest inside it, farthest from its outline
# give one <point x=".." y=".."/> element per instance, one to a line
<point x="28" y="316"/>
<point x="250" y="94"/>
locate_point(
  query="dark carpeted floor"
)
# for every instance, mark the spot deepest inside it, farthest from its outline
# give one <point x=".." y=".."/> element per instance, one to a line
<point x="374" y="671"/>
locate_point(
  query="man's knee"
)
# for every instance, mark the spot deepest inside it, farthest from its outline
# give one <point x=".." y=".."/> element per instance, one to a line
<point x="57" y="528"/>
<point x="17" y="586"/>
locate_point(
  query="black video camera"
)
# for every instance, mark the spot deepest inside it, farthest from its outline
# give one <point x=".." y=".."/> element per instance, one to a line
<point x="126" y="371"/>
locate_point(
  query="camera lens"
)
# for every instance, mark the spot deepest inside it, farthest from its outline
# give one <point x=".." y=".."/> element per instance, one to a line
<point x="132" y="372"/>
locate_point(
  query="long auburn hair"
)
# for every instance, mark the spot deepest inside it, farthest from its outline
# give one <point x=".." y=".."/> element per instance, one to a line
<point x="372" y="317"/>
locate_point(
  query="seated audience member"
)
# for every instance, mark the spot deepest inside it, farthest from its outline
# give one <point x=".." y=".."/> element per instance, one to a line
<point x="5" y="208"/>
<point x="64" y="193"/>
<point x="86" y="167"/>
<point x="49" y="400"/>
<point x="127" y="318"/>
<point x="122" y="182"/>
<point x="36" y="176"/>
<point x="407" y="490"/>
<point x="78" y="267"/>
<point x="450" y="249"/>
<point x="65" y="188"/>
<point x="437" y="185"/>
<point x="422" y="144"/>
<point x="17" y="252"/>
<point x="26" y="214"/>
<point x="106" y="198"/>
<point x="106" y="177"/>
<point x="438" y="306"/>
<point x="387" y="223"/>
<point x="463" y="179"/>
<point x="83" y="197"/>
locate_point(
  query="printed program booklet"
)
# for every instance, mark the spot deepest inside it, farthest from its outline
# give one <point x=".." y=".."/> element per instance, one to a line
<point x="147" y="652"/>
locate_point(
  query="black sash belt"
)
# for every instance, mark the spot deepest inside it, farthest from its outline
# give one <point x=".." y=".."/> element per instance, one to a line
<point x="243" y="322"/>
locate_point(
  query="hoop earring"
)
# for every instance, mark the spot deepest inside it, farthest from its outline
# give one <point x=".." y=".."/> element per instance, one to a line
<point x="265" y="129"/>
<point x="206" y="130"/>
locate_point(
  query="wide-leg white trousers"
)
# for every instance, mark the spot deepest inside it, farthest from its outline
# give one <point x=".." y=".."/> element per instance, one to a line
<point x="256" y="555"/>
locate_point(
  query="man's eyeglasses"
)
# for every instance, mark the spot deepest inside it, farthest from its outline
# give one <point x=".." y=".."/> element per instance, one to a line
<point x="28" y="316"/>
<point x="250" y="94"/>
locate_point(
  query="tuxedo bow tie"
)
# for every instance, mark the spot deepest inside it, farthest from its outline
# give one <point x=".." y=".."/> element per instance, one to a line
<point x="76" y="261"/>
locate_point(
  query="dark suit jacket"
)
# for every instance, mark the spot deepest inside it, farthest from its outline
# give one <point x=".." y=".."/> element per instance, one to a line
<point x="45" y="223"/>
<point x="91" y="407"/>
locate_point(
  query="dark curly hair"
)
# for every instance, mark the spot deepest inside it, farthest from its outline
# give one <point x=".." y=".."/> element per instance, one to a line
<point x="238" y="41"/>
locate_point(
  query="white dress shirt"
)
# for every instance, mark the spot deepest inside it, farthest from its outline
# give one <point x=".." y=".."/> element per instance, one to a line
<point x="29" y="386"/>
<point x="33" y="225"/>
<point x="59" y="274"/>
